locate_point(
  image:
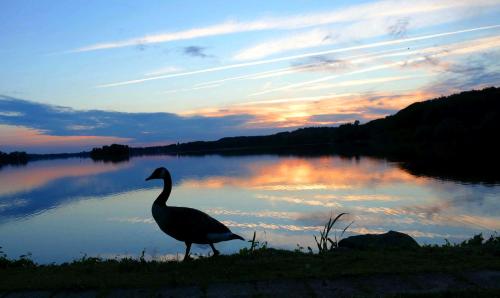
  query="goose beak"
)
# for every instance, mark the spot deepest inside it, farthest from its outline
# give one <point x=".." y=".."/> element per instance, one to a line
<point x="149" y="178"/>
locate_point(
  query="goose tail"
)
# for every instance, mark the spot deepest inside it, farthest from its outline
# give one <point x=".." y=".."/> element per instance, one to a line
<point x="234" y="236"/>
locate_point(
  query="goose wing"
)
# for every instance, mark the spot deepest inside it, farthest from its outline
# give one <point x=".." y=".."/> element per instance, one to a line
<point x="193" y="225"/>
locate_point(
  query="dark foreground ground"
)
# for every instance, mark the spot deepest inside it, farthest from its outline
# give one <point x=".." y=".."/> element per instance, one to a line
<point x="463" y="284"/>
<point x="466" y="270"/>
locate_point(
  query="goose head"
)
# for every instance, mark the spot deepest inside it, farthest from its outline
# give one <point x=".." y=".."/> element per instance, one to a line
<point x="160" y="173"/>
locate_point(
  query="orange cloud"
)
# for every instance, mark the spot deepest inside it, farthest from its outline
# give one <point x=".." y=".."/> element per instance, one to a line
<point x="20" y="136"/>
<point x="293" y="112"/>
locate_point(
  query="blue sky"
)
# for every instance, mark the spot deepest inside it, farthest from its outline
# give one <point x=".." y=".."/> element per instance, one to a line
<point x="74" y="74"/>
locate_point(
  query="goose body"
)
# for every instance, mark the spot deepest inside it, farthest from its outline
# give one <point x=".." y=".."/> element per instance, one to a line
<point x="186" y="224"/>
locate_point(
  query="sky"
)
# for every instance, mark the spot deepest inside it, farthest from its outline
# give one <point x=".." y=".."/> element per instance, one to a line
<point x="80" y="74"/>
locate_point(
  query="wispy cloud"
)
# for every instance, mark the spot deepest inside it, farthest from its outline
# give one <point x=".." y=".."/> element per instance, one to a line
<point x="314" y="64"/>
<point x="12" y="204"/>
<point x="198" y="87"/>
<point x="313" y="38"/>
<point x="297" y="99"/>
<point x="430" y="53"/>
<point x="359" y="82"/>
<point x="10" y="114"/>
<point x="162" y="71"/>
<point x="322" y="63"/>
<point x="475" y="72"/>
<point x="399" y="28"/>
<point x="331" y="77"/>
<point x="195" y="51"/>
<point x="395" y="22"/>
<point x="218" y="29"/>
<point x="351" y="13"/>
<point x="294" y="57"/>
<point x="241" y="77"/>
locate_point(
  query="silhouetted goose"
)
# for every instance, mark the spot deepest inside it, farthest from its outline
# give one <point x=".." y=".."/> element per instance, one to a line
<point x="186" y="224"/>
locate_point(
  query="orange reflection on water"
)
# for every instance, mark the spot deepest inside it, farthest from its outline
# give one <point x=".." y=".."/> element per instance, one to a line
<point x="40" y="173"/>
<point x="306" y="174"/>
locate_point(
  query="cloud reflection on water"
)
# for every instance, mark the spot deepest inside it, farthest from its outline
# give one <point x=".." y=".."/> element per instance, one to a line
<point x="38" y="174"/>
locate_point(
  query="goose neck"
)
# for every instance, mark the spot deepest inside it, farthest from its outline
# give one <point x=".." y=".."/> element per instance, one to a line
<point x="167" y="188"/>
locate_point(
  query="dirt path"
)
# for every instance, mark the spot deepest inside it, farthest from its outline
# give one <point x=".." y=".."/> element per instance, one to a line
<point x="378" y="285"/>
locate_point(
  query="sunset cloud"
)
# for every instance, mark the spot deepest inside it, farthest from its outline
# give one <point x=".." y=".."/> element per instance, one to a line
<point x="60" y="126"/>
<point x="330" y="109"/>
<point x="39" y="125"/>
<point x="17" y="137"/>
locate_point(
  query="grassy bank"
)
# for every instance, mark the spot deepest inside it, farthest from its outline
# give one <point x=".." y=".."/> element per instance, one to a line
<point x="249" y="265"/>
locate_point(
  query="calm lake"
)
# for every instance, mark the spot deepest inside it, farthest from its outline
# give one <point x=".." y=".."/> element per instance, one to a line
<point x="60" y="210"/>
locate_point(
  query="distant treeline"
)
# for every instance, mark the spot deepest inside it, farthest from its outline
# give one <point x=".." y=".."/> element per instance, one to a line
<point x="16" y="158"/>
<point x="21" y="158"/>
<point x="113" y="153"/>
<point x="464" y="125"/>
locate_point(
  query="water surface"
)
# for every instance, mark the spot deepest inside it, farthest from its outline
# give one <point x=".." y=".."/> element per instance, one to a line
<point x="59" y="210"/>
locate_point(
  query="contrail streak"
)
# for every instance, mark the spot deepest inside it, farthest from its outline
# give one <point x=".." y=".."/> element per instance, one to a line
<point x="274" y="72"/>
<point x="268" y="61"/>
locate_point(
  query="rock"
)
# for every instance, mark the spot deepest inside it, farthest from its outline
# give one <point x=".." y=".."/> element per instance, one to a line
<point x="389" y="240"/>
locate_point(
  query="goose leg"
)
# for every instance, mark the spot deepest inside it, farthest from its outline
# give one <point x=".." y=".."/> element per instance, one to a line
<point x="216" y="252"/>
<point x="186" y="255"/>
